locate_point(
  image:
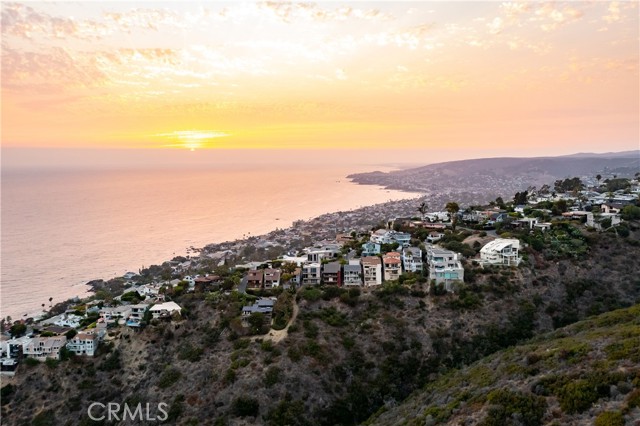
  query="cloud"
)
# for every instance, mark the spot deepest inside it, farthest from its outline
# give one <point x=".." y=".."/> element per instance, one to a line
<point x="613" y="14"/>
<point x="292" y="12"/>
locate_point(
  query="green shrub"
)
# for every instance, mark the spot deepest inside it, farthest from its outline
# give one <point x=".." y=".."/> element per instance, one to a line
<point x="190" y="353"/>
<point x="245" y="406"/>
<point x="272" y="376"/>
<point x="610" y="418"/>
<point x="31" y="362"/>
<point x="169" y="377"/>
<point x="577" y="396"/>
<point x="333" y="317"/>
<point x="287" y="412"/>
<point x="505" y="403"/>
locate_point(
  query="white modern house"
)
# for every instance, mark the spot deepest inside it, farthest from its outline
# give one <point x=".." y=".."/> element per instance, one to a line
<point x="444" y="266"/>
<point x="311" y="273"/>
<point x="501" y="251"/>
<point x="412" y="259"/>
<point x="164" y="309"/>
<point x="372" y="271"/>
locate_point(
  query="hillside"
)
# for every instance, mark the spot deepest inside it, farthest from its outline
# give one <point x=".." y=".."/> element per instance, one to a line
<point x="501" y="176"/>
<point x="577" y="375"/>
<point x="346" y="355"/>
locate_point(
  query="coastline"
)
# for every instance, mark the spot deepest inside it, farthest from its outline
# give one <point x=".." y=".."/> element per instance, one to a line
<point x="310" y="226"/>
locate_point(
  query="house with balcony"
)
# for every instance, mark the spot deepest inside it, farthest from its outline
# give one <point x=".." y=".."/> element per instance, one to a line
<point x="371" y="271"/>
<point x="332" y="274"/>
<point x="444" y="267"/>
<point x="311" y="273"/>
<point x="111" y="314"/>
<point x="352" y="274"/>
<point x="41" y="348"/>
<point x="392" y="266"/>
<point x="255" y="278"/>
<point x="501" y="251"/>
<point x="83" y="344"/>
<point x="412" y="259"/>
<point x="271" y="278"/>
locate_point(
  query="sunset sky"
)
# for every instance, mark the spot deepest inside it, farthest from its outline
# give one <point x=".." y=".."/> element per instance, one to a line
<point x="522" y="77"/>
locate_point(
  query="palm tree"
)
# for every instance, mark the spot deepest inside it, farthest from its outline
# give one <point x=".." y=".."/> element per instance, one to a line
<point x="50" y="300"/>
<point x="423" y="209"/>
<point x="453" y="208"/>
<point x="598" y="177"/>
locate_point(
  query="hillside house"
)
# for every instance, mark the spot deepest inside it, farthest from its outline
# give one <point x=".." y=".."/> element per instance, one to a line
<point x="255" y="278"/>
<point x="271" y="278"/>
<point x="311" y="273"/>
<point x="352" y="273"/>
<point x="332" y="274"/>
<point x="83" y="344"/>
<point x="412" y="259"/>
<point x="444" y="266"/>
<point x="392" y="266"/>
<point x="372" y="271"/>
<point x="501" y="251"/>
<point x="41" y="348"/>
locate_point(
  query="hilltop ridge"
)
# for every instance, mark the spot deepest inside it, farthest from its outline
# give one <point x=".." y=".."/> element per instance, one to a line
<point x="503" y="175"/>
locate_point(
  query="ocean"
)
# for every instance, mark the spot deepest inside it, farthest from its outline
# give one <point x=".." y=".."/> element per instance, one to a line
<point x="61" y="229"/>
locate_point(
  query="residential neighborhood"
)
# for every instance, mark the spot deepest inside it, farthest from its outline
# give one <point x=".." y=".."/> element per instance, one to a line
<point x="435" y="247"/>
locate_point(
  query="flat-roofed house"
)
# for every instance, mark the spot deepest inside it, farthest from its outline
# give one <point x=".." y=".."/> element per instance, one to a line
<point x="332" y="274"/>
<point x="412" y="259"/>
<point x="352" y="274"/>
<point x="311" y="273"/>
<point x="372" y="271"/>
<point x="444" y="267"/>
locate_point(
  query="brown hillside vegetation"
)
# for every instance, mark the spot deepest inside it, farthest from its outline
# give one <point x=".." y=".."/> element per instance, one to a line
<point x="350" y="354"/>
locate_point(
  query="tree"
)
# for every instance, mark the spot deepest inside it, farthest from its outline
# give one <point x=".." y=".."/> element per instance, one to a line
<point x="256" y="321"/>
<point x="18" y="329"/>
<point x="453" y="208"/>
<point x="43" y="306"/>
<point x="50" y="301"/>
<point x="598" y="177"/>
<point x="520" y="198"/>
<point x="423" y="209"/>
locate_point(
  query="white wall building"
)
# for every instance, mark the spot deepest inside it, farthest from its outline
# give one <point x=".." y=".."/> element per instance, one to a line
<point x="444" y="266"/>
<point x="84" y="344"/>
<point x="412" y="259"/>
<point x="502" y="251"/>
<point x="372" y="271"/>
<point x="311" y="273"/>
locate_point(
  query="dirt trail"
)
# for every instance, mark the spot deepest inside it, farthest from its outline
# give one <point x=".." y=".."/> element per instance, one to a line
<point x="277" y="335"/>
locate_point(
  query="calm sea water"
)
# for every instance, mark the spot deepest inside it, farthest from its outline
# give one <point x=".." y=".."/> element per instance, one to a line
<point x="62" y="229"/>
